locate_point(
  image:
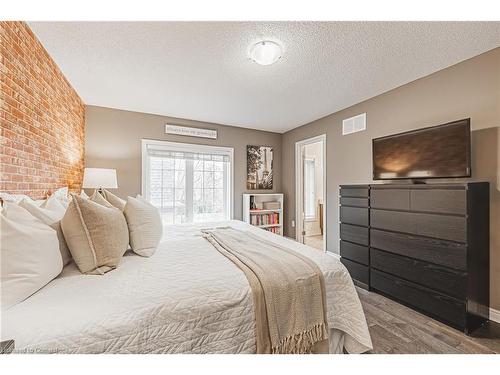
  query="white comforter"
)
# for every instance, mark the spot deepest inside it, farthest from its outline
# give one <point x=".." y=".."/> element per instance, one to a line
<point x="186" y="298"/>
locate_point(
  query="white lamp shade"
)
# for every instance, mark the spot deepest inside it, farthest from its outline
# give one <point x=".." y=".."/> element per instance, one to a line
<point x="95" y="178"/>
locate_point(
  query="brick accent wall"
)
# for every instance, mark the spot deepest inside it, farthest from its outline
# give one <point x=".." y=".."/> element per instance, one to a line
<point x="42" y="118"/>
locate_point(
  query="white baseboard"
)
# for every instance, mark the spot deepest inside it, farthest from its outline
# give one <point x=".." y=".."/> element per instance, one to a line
<point x="495" y="315"/>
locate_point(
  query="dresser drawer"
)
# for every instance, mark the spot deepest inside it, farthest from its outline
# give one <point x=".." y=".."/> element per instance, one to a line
<point x="353" y="233"/>
<point x="445" y="253"/>
<point x="434" y="303"/>
<point x="356" y="202"/>
<point x="446" y="280"/>
<point x="453" y="228"/>
<point x="445" y="201"/>
<point x="393" y="220"/>
<point x="357" y="271"/>
<point x="396" y="199"/>
<point x="354" y="252"/>
<point x="354" y="191"/>
<point x="354" y="215"/>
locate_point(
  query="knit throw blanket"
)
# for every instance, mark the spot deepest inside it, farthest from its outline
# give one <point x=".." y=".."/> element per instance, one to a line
<point x="288" y="291"/>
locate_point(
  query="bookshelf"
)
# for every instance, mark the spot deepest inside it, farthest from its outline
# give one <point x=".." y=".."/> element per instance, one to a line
<point x="264" y="211"/>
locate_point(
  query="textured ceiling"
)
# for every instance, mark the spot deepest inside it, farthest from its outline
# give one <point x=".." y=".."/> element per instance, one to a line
<point x="201" y="70"/>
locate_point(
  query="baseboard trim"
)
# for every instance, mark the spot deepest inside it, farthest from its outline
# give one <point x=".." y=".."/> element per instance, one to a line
<point x="495" y="315"/>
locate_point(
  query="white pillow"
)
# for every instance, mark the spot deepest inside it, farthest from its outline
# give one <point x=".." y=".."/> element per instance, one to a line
<point x="54" y="205"/>
<point x="15" y="198"/>
<point x="39" y="202"/>
<point x="30" y="256"/>
<point x="144" y="225"/>
<point x="50" y="212"/>
<point x="62" y="195"/>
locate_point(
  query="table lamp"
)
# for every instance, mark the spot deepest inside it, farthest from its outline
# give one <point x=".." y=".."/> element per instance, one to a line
<point x="99" y="178"/>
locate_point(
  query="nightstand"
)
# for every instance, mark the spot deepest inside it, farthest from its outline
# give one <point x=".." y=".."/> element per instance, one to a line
<point x="6" y="346"/>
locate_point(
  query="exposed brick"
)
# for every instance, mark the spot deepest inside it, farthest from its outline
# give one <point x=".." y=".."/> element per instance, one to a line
<point x="41" y="117"/>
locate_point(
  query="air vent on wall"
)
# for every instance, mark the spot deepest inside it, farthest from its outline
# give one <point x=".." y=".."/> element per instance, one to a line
<point x="354" y="124"/>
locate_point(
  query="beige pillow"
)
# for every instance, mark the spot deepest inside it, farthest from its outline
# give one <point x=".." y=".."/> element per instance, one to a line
<point x="114" y="200"/>
<point x="98" y="198"/>
<point x="144" y="225"/>
<point x="97" y="236"/>
<point x="50" y="212"/>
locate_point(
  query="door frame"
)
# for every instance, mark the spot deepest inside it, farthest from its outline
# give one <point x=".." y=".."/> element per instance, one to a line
<point x="299" y="222"/>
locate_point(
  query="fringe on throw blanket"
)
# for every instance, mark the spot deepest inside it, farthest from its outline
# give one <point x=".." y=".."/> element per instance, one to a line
<point x="303" y="342"/>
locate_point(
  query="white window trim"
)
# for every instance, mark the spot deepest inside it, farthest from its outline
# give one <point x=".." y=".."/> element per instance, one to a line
<point x="190" y="147"/>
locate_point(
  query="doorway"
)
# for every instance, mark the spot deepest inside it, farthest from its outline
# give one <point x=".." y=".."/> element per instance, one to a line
<point x="310" y="205"/>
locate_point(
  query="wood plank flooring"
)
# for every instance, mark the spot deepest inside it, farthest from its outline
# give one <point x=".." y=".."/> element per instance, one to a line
<point x="314" y="241"/>
<point x="395" y="328"/>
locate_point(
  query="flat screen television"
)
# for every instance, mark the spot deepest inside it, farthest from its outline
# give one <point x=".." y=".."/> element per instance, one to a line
<point x="441" y="151"/>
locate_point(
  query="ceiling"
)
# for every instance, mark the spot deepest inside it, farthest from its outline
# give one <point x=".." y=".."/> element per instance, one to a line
<point x="201" y="70"/>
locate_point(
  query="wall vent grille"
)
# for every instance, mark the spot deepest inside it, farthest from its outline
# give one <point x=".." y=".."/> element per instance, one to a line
<point x="354" y="124"/>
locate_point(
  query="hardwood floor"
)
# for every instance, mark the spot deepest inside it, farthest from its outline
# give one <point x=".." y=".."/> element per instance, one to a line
<point x="395" y="328"/>
<point x="314" y="241"/>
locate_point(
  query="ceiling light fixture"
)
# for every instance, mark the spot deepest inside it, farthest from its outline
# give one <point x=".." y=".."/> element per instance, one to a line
<point x="265" y="52"/>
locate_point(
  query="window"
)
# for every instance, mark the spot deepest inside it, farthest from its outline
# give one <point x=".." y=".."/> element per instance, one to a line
<point x="188" y="183"/>
<point x="309" y="189"/>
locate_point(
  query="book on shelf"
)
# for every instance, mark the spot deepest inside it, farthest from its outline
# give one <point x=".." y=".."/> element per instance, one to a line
<point x="275" y="230"/>
<point x="265" y="219"/>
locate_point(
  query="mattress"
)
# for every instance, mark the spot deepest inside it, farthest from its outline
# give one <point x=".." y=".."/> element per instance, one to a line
<point x="186" y="298"/>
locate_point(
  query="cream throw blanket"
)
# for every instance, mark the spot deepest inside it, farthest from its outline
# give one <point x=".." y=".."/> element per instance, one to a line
<point x="288" y="291"/>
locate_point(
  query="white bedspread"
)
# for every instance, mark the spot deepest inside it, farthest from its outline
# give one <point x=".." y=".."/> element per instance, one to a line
<point x="186" y="298"/>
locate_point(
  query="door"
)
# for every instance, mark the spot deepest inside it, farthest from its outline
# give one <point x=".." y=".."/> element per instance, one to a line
<point x="310" y="217"/>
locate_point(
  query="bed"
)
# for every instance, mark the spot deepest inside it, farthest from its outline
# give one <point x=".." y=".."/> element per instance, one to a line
<point x="186" y="298"/>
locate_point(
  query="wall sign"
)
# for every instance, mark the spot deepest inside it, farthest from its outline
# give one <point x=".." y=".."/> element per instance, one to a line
<point x="190" y="132"/>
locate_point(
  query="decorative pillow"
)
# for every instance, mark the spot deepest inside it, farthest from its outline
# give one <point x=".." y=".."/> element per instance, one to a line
<point x="53" y="204"/>
<point x="15" y="198"/>
<point x="62" y="195"/>
<point x="114" y="200"/>
<point x="30" y="256"/>
<point x="97" y="236"/>
<point x="98" y="198"/>
<point x="144" y="225"/>
<point x="50" y="212"/>
<point x="39" y="202"/>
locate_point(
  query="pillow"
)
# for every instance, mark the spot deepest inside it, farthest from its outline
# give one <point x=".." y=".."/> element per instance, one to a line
<point x="53" y="204"/>
<point x="98" y="198"/>
<point x="114" y="200"/>
<point x="144" y="225"/>
<point x="97" y="236"/>
<point x="83" y="194"/>
<point x="15" y="198"/>
<point x="50" y="212"/>
<point x="30" y="256"/>
<point x="62" y="195"/>
<point x="61" y="192"/>
<point x="39" y="202"/>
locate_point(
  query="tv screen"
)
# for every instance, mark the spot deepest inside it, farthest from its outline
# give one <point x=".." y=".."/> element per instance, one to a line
<point x="435" y="152"/>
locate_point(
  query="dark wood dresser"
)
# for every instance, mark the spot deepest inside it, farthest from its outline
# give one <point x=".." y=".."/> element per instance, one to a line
<point x="355" y="232"/>
<point x="426" y="246"/>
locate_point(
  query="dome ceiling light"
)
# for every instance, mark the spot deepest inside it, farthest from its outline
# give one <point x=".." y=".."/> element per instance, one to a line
<point x="265" y="52"/>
